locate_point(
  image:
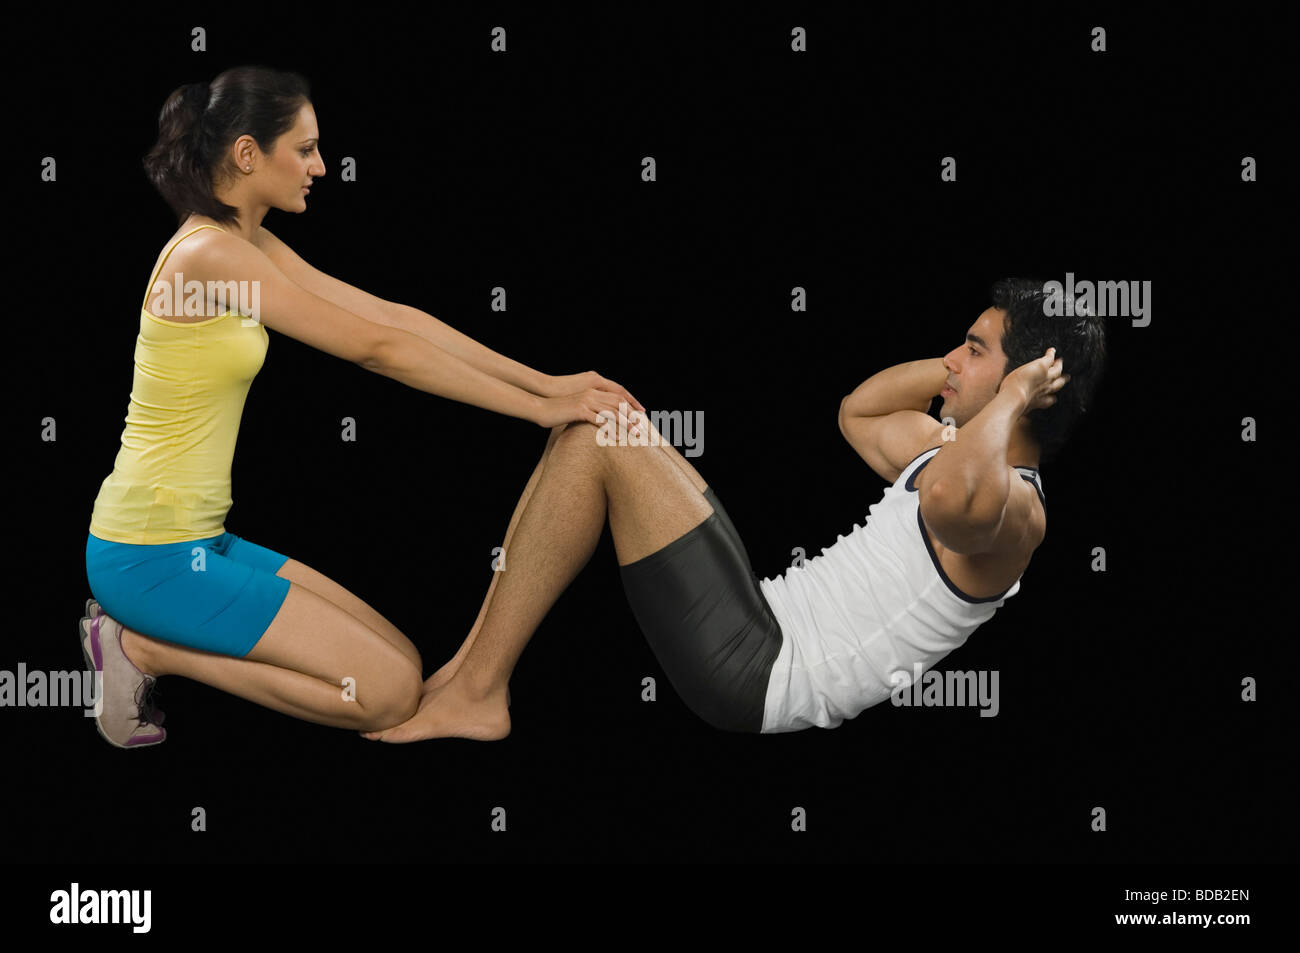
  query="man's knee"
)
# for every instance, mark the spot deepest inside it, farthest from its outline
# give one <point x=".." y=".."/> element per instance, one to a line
<point x="579" y="432"/>
<point x="610" y="444"/>
<point x="578" y="443"/>
<point x="636" y="430"/>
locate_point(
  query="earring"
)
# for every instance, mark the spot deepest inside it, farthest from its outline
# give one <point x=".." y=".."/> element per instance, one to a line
<point x="248" y="168"/>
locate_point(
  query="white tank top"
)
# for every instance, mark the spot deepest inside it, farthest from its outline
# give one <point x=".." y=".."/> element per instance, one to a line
<point x="875" y="603"/>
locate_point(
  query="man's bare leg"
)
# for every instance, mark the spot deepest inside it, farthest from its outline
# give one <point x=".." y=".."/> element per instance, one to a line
<point x="444" y="674"/>
<point x="649" y="500"/>
<point x="685" y="465"/>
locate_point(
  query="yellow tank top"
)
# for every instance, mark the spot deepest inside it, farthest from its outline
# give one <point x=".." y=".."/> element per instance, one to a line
<point x="171" y="479"/>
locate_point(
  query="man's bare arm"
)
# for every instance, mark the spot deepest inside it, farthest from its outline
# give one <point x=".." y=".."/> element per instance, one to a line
<point x="967" y="483"/>
<point x="912" y="385"/>
<point x="889" y="440"/>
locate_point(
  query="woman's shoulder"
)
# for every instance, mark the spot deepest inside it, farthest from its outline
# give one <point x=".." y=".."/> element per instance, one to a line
<point x="199" y="233"/>
<point x="187" y="257"/>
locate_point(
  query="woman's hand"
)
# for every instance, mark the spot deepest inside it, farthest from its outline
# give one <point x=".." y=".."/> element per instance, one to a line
<point x="1038" y="380"/>
<point x="572" y="383"/>
<point x="594" y="406"/>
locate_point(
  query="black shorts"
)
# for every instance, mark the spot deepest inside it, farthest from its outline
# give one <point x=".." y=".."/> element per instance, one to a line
<point x="698" y="603"/>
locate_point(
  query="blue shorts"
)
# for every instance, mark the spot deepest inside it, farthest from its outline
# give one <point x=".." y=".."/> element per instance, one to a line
<point x="222" y="602"/>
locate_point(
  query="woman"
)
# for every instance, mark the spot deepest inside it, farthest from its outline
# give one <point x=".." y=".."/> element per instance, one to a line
<point x="175" y="593"/>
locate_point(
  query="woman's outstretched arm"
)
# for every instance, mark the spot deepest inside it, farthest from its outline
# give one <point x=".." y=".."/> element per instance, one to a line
<point x="285" y="306"/>
<point x="473" y="353"/>
<point x="417" y="322"/>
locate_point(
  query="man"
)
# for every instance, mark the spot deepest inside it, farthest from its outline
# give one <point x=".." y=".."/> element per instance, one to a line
<point x="940" y="553"/>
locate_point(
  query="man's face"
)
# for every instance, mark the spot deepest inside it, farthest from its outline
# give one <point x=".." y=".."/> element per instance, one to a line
<point x="975" y="368"/>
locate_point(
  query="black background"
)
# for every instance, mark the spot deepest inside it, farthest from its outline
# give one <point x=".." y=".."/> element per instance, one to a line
<point x="775" y="169"/>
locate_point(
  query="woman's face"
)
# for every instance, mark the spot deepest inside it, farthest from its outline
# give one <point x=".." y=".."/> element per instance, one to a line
<point x="295" y="162"/>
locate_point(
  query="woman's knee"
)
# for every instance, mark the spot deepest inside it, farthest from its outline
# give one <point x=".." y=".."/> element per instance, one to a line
<point x="397" y="699"/>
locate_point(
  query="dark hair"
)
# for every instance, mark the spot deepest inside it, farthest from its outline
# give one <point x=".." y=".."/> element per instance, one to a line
<point x="198" y="123"/>
<point x="1080" y="342"/>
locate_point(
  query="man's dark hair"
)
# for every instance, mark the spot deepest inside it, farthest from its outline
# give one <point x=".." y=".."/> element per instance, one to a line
<point x="198" y="123"/>
<point x="1080" y="342"/>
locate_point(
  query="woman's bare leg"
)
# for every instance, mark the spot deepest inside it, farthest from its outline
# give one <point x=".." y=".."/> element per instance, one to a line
<point x="650" y="501"/>
<point x="353" y="605"/>
<point x="299" y="665"/>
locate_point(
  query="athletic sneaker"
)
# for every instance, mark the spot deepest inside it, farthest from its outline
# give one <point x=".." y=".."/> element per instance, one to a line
<point x="154" y="713"/>
<point x="125" y="707"/>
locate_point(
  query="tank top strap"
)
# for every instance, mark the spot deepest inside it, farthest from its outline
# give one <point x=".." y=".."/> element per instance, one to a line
<point x="1031" y="476"/>
<point x="166" y="255"/>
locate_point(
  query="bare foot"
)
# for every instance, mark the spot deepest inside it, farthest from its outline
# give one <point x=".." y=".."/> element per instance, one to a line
<point x="452" y="711"/>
